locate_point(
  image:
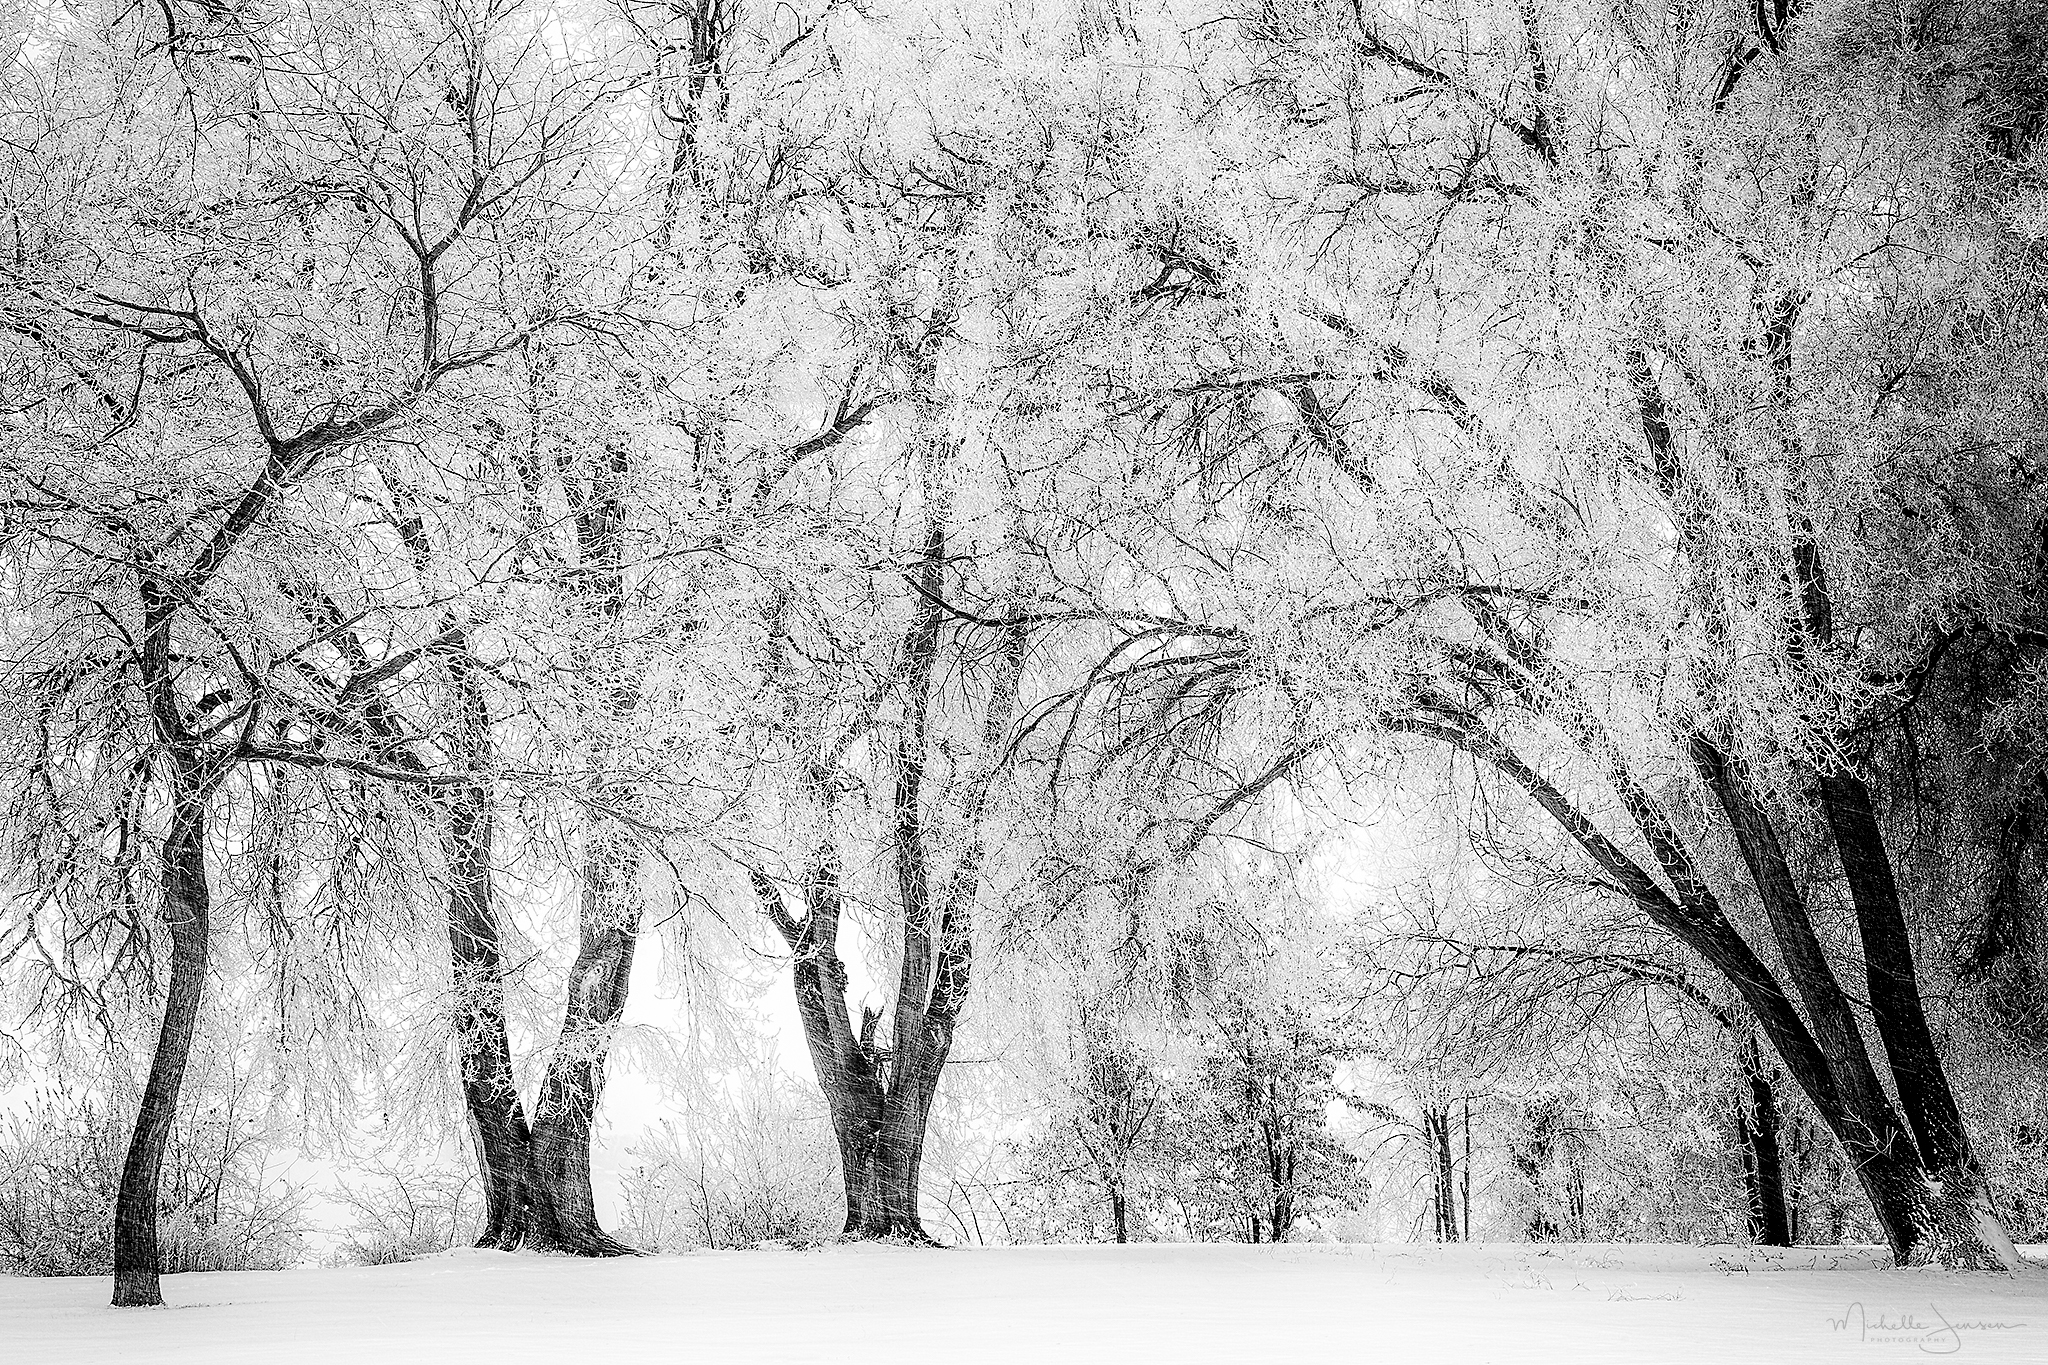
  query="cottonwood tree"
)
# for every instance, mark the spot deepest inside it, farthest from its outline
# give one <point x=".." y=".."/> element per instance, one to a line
<point x="537" y="577"/>
<point x="229" y="318"/>
<point x="897" y="671"/>
<point x="880" y="1090"/>
<point x="1641" y="602"/>
<point x="771" y="197"/>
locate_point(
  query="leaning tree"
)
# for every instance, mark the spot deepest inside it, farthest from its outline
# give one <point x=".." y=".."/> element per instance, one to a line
<point x="1529" y="422"/>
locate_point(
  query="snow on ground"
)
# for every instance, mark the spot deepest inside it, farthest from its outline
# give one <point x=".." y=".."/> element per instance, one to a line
<point x="1644" y="1305"/>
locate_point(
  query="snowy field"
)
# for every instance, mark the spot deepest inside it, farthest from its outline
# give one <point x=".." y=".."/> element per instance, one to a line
<point x="1242" y="1304"/>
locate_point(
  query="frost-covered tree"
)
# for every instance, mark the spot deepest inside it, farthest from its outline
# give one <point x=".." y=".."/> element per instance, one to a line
<point x="230" y="306"/>
<point x="1524" y="423"/>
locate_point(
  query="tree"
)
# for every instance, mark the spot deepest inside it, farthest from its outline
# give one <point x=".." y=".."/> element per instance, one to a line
<point x="1268" y="1083"/>
<point x="1105" y="1101"/>
<point x="1490" y="585"/>
<point x="216" y="395"/>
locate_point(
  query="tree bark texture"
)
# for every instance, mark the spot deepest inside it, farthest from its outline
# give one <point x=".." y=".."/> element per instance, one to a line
<point x="1436" y="1130"/>
<point x="609" y="912"/>
<point x="1913" y="1158"/>
<point x="186" y="907"/>
<point x="880" y="1097"/>
<point x="1763" y="1168"/>
<point x="536" y="1179"/>
<point x="1922" y="1216"/>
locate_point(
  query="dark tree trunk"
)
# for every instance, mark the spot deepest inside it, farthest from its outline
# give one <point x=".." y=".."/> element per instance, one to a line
<point x="1283" y="1214"/>
<point x="569" y="1093"/>
<point x="1282" y="1155"/>
<point x="609" y="924"/>
<point x="1835" y="1026"/>
<point x="880" y="1163"/>
<point x="1465" y="1174"/>
<point x="1436" y="1126"/>
<point x="1445" y="1184"/>
<point x="1762" y="1165"/>
<point x="515" y="1208"/>
<point x="919" y="1059"/>
<point x="187" y="903"/>
<point x="880" y="1100"/>
<point x="1799" y="1150"/>
<point x="537" y="1178"/>
<point x="872" y="1098"/>
<point x="1961" y="1224"/>
<point x="1119" y="1215"/>
<point x="1927" y="1192"/>
<point x="1830" y="1064"/>
<point x="1924" y="1185"/>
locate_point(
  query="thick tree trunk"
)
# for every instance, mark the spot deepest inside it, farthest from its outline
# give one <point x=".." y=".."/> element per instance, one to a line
<point x="880" y="1107"/>
<point x="1921" y="1213"/>
<point x="1913" y="1160"/>
<point x="187" y="903"/>
<point x="906" y="1117"/>
<point x="1763" y="1167"/>
<point x="1436" y="1132"/>
<point x="1962" y="1226"/>
<point x="515" y="1209"/>
<point x="1881" y="1148"/>
<point x="1924" y="1184"/>
<point x="881" y="1104"/>
<point x="569" y="1093"/>
<point x="1119" y="1216"/>
<point x="881" y="1172"/>
<point x="877" y="1106"/>
<point x="1951" y="1215"/>
<point x="1834" y="1023"/>
<point x="861" y="1176"/>
<point x="609" y="923"/>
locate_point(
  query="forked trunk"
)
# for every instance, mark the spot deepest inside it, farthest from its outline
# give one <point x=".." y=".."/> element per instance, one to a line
<point x="514" y="1207"/>
<point x="609" y="922"/>
<point x="881" y="1104"/>
<point x="574" y="1083"/>
<point x="536" y="1177"/>
<point x="187" y="901"/>
<point x="1283" y="1214"/>
<point x="1913" y="1159"/>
